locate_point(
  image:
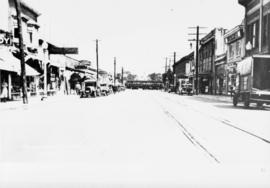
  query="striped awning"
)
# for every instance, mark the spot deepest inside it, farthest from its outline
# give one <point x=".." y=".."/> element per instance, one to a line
<point x="10" y="63"/>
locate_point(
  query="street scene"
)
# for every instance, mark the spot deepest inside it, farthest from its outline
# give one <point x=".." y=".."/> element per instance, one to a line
<point x="134" y="93"/>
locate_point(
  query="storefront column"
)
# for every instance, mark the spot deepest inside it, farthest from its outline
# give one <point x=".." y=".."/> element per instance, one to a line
<point x="36" y="81"/>
<point x="9" y="85"/>
<point x="0" y="83"/>
<point x="226" y="80"/>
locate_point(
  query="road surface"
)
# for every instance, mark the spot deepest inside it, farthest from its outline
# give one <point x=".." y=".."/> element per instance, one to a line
<point x="134" y="139"/>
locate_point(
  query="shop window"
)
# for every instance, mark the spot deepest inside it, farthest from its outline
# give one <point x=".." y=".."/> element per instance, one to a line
<point x="253" y="34"/>
<point x="16" y="32"/>
<point x="231" y="51"/>
<point x="237" y="48"/>
<point x="265" y="30"/>
<point x="30" y="37"/>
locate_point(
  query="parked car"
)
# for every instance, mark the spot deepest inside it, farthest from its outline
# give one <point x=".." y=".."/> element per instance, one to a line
<point x="90" y="88"/>
<point x="105" y="89"/>
<point x="186" y="89"/>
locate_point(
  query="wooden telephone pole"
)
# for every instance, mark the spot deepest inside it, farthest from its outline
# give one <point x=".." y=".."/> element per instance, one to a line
<point x="174" y="73"/>
<point x="97" y="59"/>
<point x="122" y="76"/>
<point x="114" y="74"/>
<point x="21" y="46"/>
<point x="197" y="40"/>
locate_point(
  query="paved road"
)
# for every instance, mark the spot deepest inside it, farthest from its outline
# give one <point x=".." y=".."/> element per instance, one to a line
<point x="134" y="138"/>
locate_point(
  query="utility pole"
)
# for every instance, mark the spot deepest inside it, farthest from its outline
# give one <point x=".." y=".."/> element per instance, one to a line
<point x="197" y="40"/>
<point x="174" y="74"/>
<point x="174" y="57"/>
<point x="97" y="59"/>
<point x="166" y="65"/>
<point x="122" y="77"/>
<point x="21" y="46"/>
<point x="114" y="75"/>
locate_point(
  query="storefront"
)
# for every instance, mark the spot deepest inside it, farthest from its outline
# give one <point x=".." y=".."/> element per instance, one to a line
<point x="231" y="77"/>
<point x="205" y="83"/>
<point x="221" y="79"/>
<point x="234" y="40"/>
<point x="10" y="70"/>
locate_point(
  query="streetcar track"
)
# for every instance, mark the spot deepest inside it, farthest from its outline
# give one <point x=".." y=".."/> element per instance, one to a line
<point x="187" y="134"/>
<point x="224" y="121"/>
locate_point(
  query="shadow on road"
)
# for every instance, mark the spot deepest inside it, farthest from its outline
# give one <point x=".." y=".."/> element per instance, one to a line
<point x="209" y="100"/>
<point x="255" y="108"/>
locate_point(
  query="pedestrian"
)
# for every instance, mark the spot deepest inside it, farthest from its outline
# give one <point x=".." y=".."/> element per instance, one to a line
<point x="78" y="88"/>
<point x="4" y="94"/>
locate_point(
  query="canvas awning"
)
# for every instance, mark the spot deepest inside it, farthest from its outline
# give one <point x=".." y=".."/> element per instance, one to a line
<point x="244" y="66"/>
<point x="10" y="63"/>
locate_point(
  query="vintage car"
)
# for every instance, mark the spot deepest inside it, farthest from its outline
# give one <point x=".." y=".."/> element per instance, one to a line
<point x="90" y="88"/>
<point x="105" y="89"/>
<point x="186" y="88"/>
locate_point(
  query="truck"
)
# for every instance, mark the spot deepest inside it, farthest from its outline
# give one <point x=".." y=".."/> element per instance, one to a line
<point x="90" y="88"/>
<point x="253" y="81"/>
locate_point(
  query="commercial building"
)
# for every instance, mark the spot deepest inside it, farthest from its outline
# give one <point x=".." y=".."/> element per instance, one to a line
<point x="235" y="42"/>
<point x="183" y="68"/>
<point x="9" y="57"/>
<point x="257" y="26"/>
<point x="211" y="61"/>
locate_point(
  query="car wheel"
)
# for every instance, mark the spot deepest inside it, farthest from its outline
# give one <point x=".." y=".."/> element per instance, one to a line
<point x="235" y="100"/>
<point x="259" y="104"/>
<point x="246" y="101"/>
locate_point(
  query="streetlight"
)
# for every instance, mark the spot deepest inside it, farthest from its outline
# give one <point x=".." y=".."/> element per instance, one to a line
<point x="248" y="47"/>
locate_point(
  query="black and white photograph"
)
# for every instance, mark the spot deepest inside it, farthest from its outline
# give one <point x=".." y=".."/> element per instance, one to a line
<point x="134" y="93"/>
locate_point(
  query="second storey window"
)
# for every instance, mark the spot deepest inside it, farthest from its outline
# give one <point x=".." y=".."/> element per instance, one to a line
<point x="253" y="34"/>
<point x="30" y="37"/>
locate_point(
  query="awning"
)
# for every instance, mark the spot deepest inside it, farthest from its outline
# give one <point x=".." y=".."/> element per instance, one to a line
<point x="244" y="66"/>
<point x="9" y="63"/>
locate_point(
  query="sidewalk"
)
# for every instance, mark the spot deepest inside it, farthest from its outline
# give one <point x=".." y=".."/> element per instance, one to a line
<point x="218" y="98"/>
<point x="11" y="105"/>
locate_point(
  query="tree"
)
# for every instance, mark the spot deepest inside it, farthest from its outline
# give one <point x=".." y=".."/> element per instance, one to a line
<point x="168" y="78"/>
<point x="155" y="77"/>
<point x="131" y="77"/>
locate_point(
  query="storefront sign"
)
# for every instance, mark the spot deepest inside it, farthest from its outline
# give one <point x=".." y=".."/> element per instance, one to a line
<point x="4" y="40"/>
<point x="235" y="36"/>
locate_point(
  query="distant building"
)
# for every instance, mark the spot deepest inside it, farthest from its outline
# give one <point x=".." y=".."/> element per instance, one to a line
<point x="183" y="67"/>
<point x="180" y="68"/>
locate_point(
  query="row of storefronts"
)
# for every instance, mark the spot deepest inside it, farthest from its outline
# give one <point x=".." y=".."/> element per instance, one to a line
<point x="219" y="52"/>
<point x="49" y="69"/>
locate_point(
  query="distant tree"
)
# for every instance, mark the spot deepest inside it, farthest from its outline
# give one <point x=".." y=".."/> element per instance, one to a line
<point x="131" y="77"/>
<point x="168" y="77"/>
<point x="155" y="77"/>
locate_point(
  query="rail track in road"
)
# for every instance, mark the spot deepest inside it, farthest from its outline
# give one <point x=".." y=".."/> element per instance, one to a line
<point x="223" y="121"/>
<point x="187" y="133"/>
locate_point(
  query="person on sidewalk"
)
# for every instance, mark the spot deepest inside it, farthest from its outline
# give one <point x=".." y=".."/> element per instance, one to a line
<point x="4" y="94"/>
<point x="78" y="88"/>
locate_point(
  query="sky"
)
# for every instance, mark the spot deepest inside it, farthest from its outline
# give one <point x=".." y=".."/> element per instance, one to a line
<point x="139" y="33"/>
